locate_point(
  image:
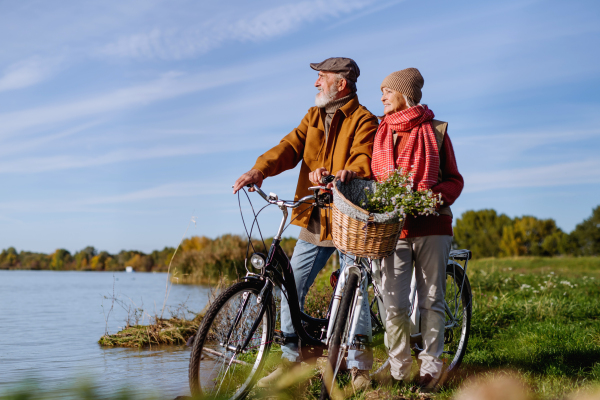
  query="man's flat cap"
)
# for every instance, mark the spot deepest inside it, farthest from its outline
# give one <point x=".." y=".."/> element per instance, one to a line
<point x="344" y="66"/>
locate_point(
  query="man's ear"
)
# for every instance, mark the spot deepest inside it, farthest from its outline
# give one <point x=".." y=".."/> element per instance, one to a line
<point x="342" y="84"/>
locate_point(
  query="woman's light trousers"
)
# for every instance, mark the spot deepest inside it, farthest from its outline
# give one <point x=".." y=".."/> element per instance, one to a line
<point x="430" y="256"/>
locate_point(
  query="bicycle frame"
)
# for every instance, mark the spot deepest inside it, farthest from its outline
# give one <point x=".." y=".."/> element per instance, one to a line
<point x="278" y="272"/>
<point x="366" y="270"/>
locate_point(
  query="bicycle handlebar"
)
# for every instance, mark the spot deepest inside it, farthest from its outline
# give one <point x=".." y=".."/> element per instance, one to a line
<point x="318" y="199"/>
<point x="273" y="199"/>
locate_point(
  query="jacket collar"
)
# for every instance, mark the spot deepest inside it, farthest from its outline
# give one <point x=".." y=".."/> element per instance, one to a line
<point x="347" y="109"/>
<point x="350" y="106"/>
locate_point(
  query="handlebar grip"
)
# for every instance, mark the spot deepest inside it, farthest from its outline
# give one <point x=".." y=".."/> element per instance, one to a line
<point x="327" y="179"/>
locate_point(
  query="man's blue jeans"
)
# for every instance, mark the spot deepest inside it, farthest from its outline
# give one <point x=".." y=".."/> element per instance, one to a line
<point x="307" y="261"/>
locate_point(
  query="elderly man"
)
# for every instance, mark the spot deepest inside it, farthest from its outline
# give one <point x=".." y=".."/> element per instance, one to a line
<point x="334" y="137"/>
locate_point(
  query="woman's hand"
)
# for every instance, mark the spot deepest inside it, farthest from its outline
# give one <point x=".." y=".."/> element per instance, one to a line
<point x="345" y="175"/>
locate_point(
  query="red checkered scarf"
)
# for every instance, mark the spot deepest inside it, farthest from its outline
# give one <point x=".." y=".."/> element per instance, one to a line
<point x="420" y="155"/>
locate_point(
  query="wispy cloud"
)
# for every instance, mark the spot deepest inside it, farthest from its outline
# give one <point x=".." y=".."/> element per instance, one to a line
<point x="171" y="190"/>
<point x="217" y="185"/>
<point x="562" y="174"/>
<point x="64" y="162"/>
<point x="27" y="73"/>
<point x="180" y="43"/>
<point x="32" y="143"/>
<point x="168" y="86"/>
<point x="179" y="189"/>
<point x="504" y="147"/>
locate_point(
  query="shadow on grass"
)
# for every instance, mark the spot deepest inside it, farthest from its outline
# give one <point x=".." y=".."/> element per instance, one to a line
<point x="551" y="361"/>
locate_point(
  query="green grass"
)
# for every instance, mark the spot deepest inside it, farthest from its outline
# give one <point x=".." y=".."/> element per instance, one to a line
<point x="536" y="317"/>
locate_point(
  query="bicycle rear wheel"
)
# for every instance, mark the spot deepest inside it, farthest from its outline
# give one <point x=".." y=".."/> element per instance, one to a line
<point x="458" y="316"/>
<point x="339" y="335"/>
<point x="220" y="365"/>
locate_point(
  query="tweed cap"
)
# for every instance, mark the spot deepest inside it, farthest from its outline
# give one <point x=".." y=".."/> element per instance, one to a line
<point x="344" y="66"/>
<point x="407" y="81"/>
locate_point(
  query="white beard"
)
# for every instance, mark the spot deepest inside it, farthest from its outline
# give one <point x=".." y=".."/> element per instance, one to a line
<point x="322" y="99"/>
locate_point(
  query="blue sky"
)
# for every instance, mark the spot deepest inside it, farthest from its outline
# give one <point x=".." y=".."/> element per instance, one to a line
<point x="119" y="121"/>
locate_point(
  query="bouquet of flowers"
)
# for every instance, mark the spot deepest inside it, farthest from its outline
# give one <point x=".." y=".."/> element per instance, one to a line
<point x="395" y="195"/>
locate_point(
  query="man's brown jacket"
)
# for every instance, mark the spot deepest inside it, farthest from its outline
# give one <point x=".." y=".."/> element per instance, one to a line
<point x="349" y="146"/>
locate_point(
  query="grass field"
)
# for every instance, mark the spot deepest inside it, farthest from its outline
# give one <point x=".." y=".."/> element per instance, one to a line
<point x="537" y="318"/>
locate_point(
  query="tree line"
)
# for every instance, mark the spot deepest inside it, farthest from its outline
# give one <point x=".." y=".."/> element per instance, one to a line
<point x="198" y="259"/>
<point x="489" y="234"/>
<point x="202" y="259"/>
<point x="88" y="259"/>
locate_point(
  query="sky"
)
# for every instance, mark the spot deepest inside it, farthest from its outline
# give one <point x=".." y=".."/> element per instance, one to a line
<point x="123" y="124"/>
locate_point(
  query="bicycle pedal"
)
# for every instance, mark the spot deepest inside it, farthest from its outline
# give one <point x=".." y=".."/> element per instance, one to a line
<point x="280" y="339"/>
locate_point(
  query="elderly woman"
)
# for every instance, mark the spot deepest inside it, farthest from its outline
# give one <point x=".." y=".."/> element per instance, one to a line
<point x="410" y="138"/>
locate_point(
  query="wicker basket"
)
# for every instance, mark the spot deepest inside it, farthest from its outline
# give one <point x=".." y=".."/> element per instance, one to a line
<point x="357" y="231"/>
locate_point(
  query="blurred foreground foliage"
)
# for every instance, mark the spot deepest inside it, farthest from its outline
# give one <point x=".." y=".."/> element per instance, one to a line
<point x="79" y="390"/>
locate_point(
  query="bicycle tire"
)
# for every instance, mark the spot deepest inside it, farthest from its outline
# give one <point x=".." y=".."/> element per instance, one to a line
<point x="340" y="331"/>
<point x="456" y="338"/>
<point x="218" y="371"/>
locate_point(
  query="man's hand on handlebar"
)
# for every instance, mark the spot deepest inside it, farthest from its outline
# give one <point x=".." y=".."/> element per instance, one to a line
<point x="250" y="177"/>
<point x="316" y="175"/>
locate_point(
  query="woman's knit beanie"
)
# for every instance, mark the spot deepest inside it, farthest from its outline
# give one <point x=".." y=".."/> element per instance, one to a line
<point x="408" y="81"/>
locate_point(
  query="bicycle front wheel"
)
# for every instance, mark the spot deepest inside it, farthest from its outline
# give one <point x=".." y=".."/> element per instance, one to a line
<point x="339" y="335"/>
<point x="458" y="306"/>
<point x="232" y="343"/>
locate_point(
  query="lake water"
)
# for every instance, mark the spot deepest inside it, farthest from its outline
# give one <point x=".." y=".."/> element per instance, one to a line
<point x="51" y="322"/>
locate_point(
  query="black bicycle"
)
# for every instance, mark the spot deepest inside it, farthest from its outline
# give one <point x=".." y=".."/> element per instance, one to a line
<point x="238" y="329"/>
<point x="236" y="334"/>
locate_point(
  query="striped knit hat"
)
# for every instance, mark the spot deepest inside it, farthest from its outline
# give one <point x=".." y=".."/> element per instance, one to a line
<point x="408" y="81"/>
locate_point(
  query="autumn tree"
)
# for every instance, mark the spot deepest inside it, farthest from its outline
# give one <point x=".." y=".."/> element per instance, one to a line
<point x="195" y="243"/>
<point x="585" y="239"/>
<point x="162" y="258"/>
<point x="35" y="261"/>
<point x="9" y="258"/>
<point x="83" y="258"/>
<point x="481" y="232"/>
<point x="60" y="259"/>
<point x="224" y="255"/>
<point x="530" y="236"/>
<point x="140" y="262"/>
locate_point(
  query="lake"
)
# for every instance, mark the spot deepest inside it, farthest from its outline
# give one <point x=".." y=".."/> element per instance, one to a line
<point x="51" y="322"/>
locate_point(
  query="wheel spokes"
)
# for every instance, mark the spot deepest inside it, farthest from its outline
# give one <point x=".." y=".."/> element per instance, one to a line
<point x="231" y="367"/>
